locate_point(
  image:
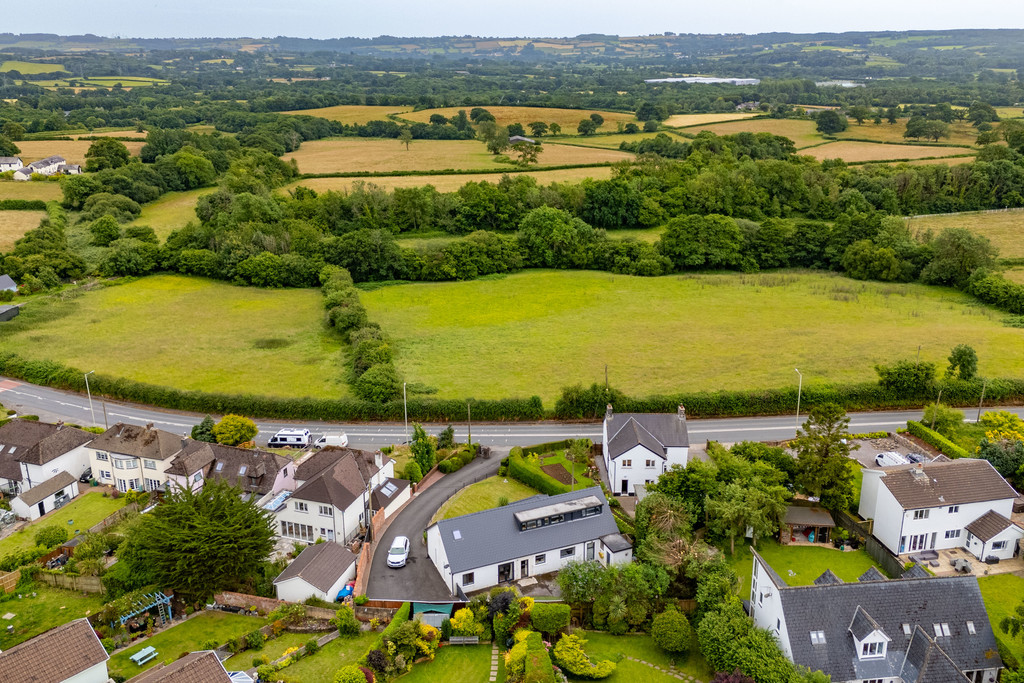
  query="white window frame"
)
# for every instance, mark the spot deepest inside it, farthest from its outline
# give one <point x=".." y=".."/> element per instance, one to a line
<point x="953" y="533"/>
<point x="326" y="511"/>
<point x="105" y="474"/>
<point x="872" y="650"/>
<point x="817" y="638"/>
<point x="567" y="552"/>
<point x="197" y="477"/>
<point x="301" y="507"/>
<point x="999" y="545"/>
<point x="921" y="514"/>
<point x="100" y="455"/>
<point x="468" y="579"/>
<point x="149" y="464"/>
<point x="540" y="559"/>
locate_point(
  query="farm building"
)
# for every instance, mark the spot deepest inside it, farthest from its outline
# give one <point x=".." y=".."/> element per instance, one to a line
<point x="48" y="166"/>
<point x="639" y="447"/>
<point x="71" y="652"/>
<point x="10" y="164"/>
<point x="51" y="494"/>
<point x="320" y="571"/>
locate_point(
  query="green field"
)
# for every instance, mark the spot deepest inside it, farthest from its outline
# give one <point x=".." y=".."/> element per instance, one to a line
<point x="189" y="333"/>
<point x="171" y="211"/>
<point x="453" y="663"/>
<point x="640" y="646"/>
<point x="45" y="190"/>
<point x="85" y="511"/>
<point x="31" y="67"/>
<point x="535" y="332"/>
<point x="1005" y="229"/>
<point x="14" y="224"/>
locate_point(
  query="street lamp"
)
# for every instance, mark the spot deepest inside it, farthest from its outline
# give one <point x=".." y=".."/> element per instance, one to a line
<point x="799" y="392"/>
<point x="87" y="391"/>
<point x="405" y="406"/>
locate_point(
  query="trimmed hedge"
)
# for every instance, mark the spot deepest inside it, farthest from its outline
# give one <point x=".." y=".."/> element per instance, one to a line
<point x="549" y="447"/>
<point x="401" y="616"/>
<point x="523" y="471"/>
<point x="22" y="205"/>
<point x="538" y="662"/>
<point x="937" y="440"/>
<point x="549" y="617"/>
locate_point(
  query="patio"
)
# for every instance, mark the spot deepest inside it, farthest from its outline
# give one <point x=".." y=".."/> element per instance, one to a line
<point x="978" y="568"/>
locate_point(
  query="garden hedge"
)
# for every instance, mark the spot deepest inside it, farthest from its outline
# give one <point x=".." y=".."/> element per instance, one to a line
<point x="538" y="662"/>
<point x="549" y="447"/>
<point x="521" y="470"/>
<point x="937" y="440"/>
<point x="549" y="617"/>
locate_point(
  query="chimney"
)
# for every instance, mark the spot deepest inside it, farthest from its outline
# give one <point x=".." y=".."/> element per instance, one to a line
<point x="378" y="459"/>
<point x="608" y="412"/>
<point x="184" y="441"/>
<point x="682" y="412"/>
<point x="919" y="474"/>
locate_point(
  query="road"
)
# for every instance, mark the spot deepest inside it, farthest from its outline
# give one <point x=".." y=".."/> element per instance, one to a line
<point x="54" y="404"/>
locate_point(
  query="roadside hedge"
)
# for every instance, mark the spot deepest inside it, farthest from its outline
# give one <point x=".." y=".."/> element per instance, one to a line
<point x="521" y="470"/>
<point x="937" y="440"/>
<point x="549" y="447"/>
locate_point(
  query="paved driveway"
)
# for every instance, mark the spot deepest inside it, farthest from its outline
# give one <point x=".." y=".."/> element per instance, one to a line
<point x="419" y="579"/>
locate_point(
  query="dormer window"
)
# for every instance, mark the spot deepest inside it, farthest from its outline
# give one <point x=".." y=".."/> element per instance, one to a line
<point x="872" y="650"/>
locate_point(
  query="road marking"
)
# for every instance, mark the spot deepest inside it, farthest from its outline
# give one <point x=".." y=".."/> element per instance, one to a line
<point x="8" y="384"/>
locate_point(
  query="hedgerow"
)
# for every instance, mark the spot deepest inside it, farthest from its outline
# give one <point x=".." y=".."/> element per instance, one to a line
<point x="532" y="476"/>
<point x="935" y="439"/>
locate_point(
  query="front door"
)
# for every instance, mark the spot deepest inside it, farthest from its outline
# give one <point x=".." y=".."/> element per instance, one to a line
<point x="505" y="572"/>
<point x="625" y="487"/>
<point x="524" y="568"/>
<point x="42" y="508"/>
<point x="590" y="550"/>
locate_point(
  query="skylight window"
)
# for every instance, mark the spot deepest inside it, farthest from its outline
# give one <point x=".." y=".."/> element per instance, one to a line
<point x="220" y="466"/>
<point x="970" y="628"/>
<point x="906" y="630"/>
<point x="457" y="534"/>
<point x="242" y="469"/>
<point x="938" y="630"/>
<point x="817" y="637"/>
<point x="945" y="629"/>
<point x="389" y="489"/>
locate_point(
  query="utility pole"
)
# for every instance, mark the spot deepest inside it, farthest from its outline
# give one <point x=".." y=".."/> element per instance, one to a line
<point x="469" y="418"/>
<point x="87" y="391"/>
<point x="799" y="392"/>
<point x="983" y="387"/>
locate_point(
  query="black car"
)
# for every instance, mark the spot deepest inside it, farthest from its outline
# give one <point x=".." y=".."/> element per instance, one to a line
<point x="86" y="476"/>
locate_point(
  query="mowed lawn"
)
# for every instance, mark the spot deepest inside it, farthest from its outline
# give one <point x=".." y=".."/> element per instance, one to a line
<point x="1002" y="594"/>
<point x="324" y="664"/>
<point x="602" y="645"/>
<point x="483" y="495"/>
<point x="171" y="211"/>
<point x="451" y="183"/>
<point x="798" y="565"/>
<point x="14" y="224"/>
<point x="851" y="151"/>
<point x="352" y="113"/>
<point x="355" y="154"/>
<point x="87" y="510"/>
<point x="72" y="150"/>
<point x="568" y="119"/>
<point x="189" y="333"/>
<point x="42" y="607"/>
<point x="538" y="331"/>
<point x="453" y="663"/>
<point x="1005" y="229"/>
<point x="19" y="189"/>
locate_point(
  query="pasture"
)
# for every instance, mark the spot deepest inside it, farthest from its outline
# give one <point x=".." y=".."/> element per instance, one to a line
<point x="47" y="190"/>
<point x="568" y="119"/>
<point x="852" y="152"/>
<point x="450" y="183"/>
<point x="171" y="211"/>
<point x="354" y="154"/>
<point x="684" y="120"/>
<point x="960" y="133"/>
<point x="604" y="141"/>
<point x="188" y="333"/>
<point x="31" y="67"/>
<point x="535" y="332"/>
<point x="14" y="224"/>
<point x="351" y="113"/>
<point x="1005" y="229"/>
<point x="72" y="150"/>
<point x="801" y="132"/>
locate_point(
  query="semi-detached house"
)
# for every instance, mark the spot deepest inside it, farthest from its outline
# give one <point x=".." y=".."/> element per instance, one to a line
<point x="134" y="458"/>
<point x="33" y="452"/>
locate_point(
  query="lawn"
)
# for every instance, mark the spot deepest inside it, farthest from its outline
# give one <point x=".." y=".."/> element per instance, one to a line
<point x="870" y="151"/>
<point x="799" y="565"/>
<point x="801" y="132"/>
<point x="447" y="183"/>
<point x="273" y="649"/>
<point x="238" y="339"/>
<point x="19" y="189"/>
<point x="1002" y="228"/>
<point x="684" y="120"/>
<point x="41" y="608"/>
<point x="187" y="636"/>
<point x="537" y="331"/>
<point x="349" y="155"/>
<point x="72" y="150"/>
<point x="568" y="119"/>
<point x="334" y="655"/>
<point x="571" y="469"/>
<point x="483" y="495"/>
<point x="1002" y="593"/>
<point x="453" y="663"/>
<point x="31" y="67"/>
<point x="602" y="645"/>
<point x="87" y="510"/>
<point x="171" y="211"/>
<point x="14" y="224"/>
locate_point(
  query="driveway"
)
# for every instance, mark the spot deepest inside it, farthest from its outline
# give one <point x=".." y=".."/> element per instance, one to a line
<point x="419" y="579"/>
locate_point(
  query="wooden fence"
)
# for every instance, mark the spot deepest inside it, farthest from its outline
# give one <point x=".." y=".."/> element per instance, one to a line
<point x="114" y="518"/>
<point x="86" y="584"/>
<point x="889" y="563"/>
<point x="9" y="580"/>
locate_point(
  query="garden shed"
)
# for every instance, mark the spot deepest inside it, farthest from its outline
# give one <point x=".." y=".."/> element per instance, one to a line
<point x="804" y="524"/>
<point x="432" y="613"/>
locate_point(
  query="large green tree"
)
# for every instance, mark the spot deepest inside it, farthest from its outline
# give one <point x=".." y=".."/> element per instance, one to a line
<point x="235" y="429"/>
<point x="106" y="153"/>
<point x="823" y="456"/>
<point x="423" y="450"/>
<point x="711" y="241"/>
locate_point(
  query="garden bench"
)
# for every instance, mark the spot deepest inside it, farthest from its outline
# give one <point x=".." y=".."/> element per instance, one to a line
<point x="144" y="655"/>
<point x="464" y="640"/>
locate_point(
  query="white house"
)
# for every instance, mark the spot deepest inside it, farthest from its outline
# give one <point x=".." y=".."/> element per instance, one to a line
<point x="907" y="630"/>
<point x="202" y="666"/>
<point x="133" y="457"/>
<point x="538" y="535"/>
<point x="33" y="452"/>
<point x="71" y="653"/>
<point x="55" y="492"/>
<point x="390" y="495"/>
<point x="961" y="503"/>
<point x="321" y="570"/>
<point x="639" y="447"/>
<point x="10" y="164"/>
<point x="333" y="495"/>
<point x="257" y="473"/>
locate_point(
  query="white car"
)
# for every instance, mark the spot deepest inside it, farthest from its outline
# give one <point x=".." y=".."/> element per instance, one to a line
<point x="398" y="553"/>
<point x="340" y="440"/>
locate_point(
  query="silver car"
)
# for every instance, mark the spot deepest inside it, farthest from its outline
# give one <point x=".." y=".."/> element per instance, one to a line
<point x="398" y="553"/>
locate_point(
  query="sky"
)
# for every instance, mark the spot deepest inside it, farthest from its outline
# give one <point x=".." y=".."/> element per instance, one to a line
<point x="525" y="18"/>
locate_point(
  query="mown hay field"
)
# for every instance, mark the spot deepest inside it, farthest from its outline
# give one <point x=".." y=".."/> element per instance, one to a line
<point x="568" y="119"/>
<point x="801" y="132"/>
<point x="1014" y="275"/>
<point x="684" y="120"/>
<point x="72" y="150"/>
<point x="46" y="190"/>
<point x="537" y="331"/>
<point x="14" y="224"/>
<point x="960" y="133"/>
<point x="450" y="183"/>
<point x="871" y="151"/>
<point x="356" y="154"/>
<point x="605" y="141"/>
<point x="1005" y="229"/>
<point x="352" y="113"/>
<point x="172" y="211"/>
<point x="188" y="333"/>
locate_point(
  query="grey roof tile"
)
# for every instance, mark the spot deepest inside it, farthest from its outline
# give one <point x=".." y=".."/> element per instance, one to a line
<point x="872" y="575"/>
<point x="319" y="565"/>
<point x="957" y="482"/>
<point x="827" y="578"/>
<point x="916" y="572"/>
<point x="49" y="487"/>
<point x="656" y="431"/>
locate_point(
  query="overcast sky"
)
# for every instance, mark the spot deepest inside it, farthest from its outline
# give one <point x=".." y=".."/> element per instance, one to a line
<point x="555" y="18"/>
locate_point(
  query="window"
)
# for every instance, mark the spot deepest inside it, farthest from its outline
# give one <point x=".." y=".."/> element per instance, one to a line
<point x="105" y="474"/>
<point x="627" y="463"/>
<point x="921" y="514"/>
<point x="817" y="637"/>
<point x="590" y="512"/>
<point x="649" y="463"/>
<point x="134" y="484"/>
<point x="540" y="559"/>
<point x="326" y="511"/>
<point x="119" y="464"/>
<point x="953" y="508"/>
<point x="242" y="469"/>
<point x="998" y="545"/>
<point x="100" y="455"/>
<point x="149" y="464"/>
<point x="197" y="477"/>
<point x="872" y="650"/>
<point x="945" y="629"/>
<point x="301" y="507"/>
<point x="874" y="680"/>
<point x="219" y="467"/>
<point x="953" y="533"/>
<point x="467" y="579"/>
<point x="568" y="552"/>
<point x="152" y="484"/>
<point x="970" y="628"/>
<point x="556" y="519"/>
<point x="938" y="630"/>
<point x="778" y="624"/>
<point x="906" y="630"/>
<point x="131" y="464"/>
<point x="303" y="532"/>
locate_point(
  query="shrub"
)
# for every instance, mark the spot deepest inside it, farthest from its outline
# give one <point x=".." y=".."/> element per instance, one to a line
<point x="935" y="439"/>
<point x="549" y="618"/>
<point x="538" y="668"/>
<point x="942" y="418"/>
<point x="312" y="647"/>
<point x="463" y="623"/>
<point x="255" y="640"/>
<point x="570" y="656"/>
<point x="377" y="660"/>
<point x="671" y="631"/>
<point x="51" y="536"/>
<point x="379" y="384"/>
<point x="257" y="661"/>
<point x="413" y="473"/>
<point x="361" y="599"/>
<point x="345" y="621"/>
<point x="446" y="629"/>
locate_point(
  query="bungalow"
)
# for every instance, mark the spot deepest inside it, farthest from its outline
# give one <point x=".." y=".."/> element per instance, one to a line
<point x="537" y="535"/>
<point x="321" y="571"/>
<point x="257" y="473"/>
<point x="71" y="652"/>
<point x="55" y="492"/>
<point x="195" y="667"/>
<point x="945" y="504"/>
<point x="639" y="447"/>
<point x="906" y="630"/>
<point x="134" y="458"/>
<point x="10" y="164"/>
<point x="33" y="452"/>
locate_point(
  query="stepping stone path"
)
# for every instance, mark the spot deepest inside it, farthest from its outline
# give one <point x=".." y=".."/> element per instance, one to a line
<point x="670" y="671"/>
<point x="494" y="663"/>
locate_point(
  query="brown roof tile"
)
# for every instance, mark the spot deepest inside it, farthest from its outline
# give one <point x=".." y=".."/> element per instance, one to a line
<point x="195" y="667"/>
<point x="319" y="565"/>
<point x="957" y="482"/>
<point x="253" y="471"/>
<point x="37" y="493"/>
<point x="56" y="655"/>
<point x="194" y="457"/>
<point x="140" y="442"/>
<point x="989" y="525"/>
<point x="38" y="443"/>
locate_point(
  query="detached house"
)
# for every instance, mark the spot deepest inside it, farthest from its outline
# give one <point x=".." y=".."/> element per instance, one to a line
<point x="639" y="447"/>
<point x="10" y="164"/>
<point x="71" y="653"/>
<point x="961" y="503"/>
<point x="908" y="630"/>
<point x="537" y="535"/>
<point x="33" y="452"/>
<point x="134" y="458"/>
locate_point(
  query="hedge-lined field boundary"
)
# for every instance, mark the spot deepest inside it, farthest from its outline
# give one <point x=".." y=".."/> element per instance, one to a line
<point x="933" y="438"/>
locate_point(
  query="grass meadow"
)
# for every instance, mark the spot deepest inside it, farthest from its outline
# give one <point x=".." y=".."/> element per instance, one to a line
<point x="1005" y="229"/>
<point x="20" y="189"/>
<point x="31" y="67"/>
<point x="852" y="151"/>
<point x="188" y="333"/>
<point x="801" y="132"/>
<point x="352" y="113"/>
<point x="960" y="133"/>
<point x="568" y="119"/>
<point x="373" y="155"/>
<point x="171" y="211"/>
<point x="535" y="332"/>
<point x="799" y="565"/>
<point x="603" y="141"/>
<point x="72" y="150"/>
<point x="14" y="224"/>
<point x="1014" y="275"/>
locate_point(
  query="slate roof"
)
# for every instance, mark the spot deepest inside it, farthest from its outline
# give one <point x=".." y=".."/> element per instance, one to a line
<point x="872" y="575"/>
<point x="195" y="667"/>
<point x="10" y="160"/>
<point x="319" y="565"/>
<point x="195" y="456"/>
<point x="47" y="488"/>
<point x="139" y="442"/>
<point x="6" y="281"/>
<point x="827" y="578"/>
<point x="252" y="470"/>
<point x="989" y="525"/>
<point x="926" y="662"/>
<point x="863" y="625"/>
<point x="916" y="572"/>
<point x="957" y="482"/>
<point x="318" y="461"/>
<point x="654" y="431"/>
<point x="43" y="163"/>
<point x="493" y="536"/>
<point x="952" y="600"/>
<point x="37" y="443"/>
<point x="56" y="655"/>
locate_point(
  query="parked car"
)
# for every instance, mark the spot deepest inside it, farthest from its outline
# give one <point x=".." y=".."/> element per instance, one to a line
<point x="891" y="459"/>
<point x="398" y="553"/>
<point x="917" y="457"/>
<point x="86" y="476"/>
<point x="340" y="440"/>
<point x="295" y="438"/>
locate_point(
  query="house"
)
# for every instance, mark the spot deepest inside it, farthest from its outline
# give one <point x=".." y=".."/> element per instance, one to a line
<point x="69" y="169"/>
<point x="907" y="630"/>
<point x="55" y="492"/>
<point x="748" y="106"/>
<point x="321" y="570"/>
<point x="7" y="284"/>
<point x="47" y="166"/>
<point x="390" y="495"/>
<point x="536" y="535"/>
<point x="257" y="473"/>
<point x="961" y="503"/>
<point x="71" y="652"/>
<point x="195" y="667"/>
<point x="10" y="164"/>
<point x="23" y="173"/>
<point x="639" y="447"/>
<point x="33" y="452"/>
<point x="133" y="457"/>
<point x="333" y="494"/>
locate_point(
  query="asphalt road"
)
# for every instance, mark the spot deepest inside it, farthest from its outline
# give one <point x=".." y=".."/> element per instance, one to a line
<point x="419" y="579"/>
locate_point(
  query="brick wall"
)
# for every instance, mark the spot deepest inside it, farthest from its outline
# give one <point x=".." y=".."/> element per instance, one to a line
<point x="267" y="605"/>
